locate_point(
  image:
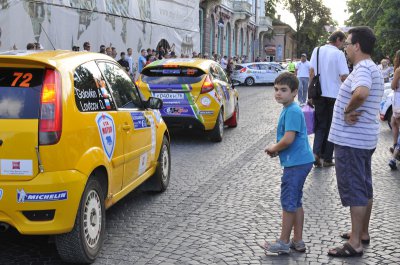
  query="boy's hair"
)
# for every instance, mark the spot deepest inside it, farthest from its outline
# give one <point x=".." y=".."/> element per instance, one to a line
<point x="288" y="79"/>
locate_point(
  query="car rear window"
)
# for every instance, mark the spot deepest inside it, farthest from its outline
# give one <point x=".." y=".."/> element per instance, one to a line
<point x="20" y="91"/>
<point x="172" y="75"/>
<point x="238" y="67"/>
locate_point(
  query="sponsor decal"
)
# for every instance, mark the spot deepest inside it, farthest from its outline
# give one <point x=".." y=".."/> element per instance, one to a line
<point x="16" y="167"/>
<point x="1" y="194"/>
<point x="107" y="102"/>
<point x="142" y="164"/>
<point x="153" y="134"/>
<point x="139" y="120"/>
<point x="176" y="110"/>
<point x="157" y="115"/>
<point x="106" y="126"/>
<point x="206" y="101"/>
<point x="206" y="112"/>
<point x="23" y="196"/>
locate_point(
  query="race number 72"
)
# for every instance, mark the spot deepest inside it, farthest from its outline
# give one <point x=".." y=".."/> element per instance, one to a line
<point x="23" y="78"/>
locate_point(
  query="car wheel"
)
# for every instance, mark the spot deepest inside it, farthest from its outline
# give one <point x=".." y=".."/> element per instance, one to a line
<point x="233" y="121"/>
<point x="249" y="81"/>
<point x="160" y="180"/>
<point x="84" y="242"/>
<point x="217" y="133"/>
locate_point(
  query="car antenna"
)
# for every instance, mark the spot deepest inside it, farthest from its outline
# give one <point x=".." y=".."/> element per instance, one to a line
<point x="54" y="48"/>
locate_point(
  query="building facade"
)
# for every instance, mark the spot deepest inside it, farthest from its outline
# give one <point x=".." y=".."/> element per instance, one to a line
<point x="233" y="28"/>
<point x="282" y="46"/>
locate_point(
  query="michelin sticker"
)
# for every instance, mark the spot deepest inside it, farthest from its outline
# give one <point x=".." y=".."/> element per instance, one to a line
<point x="1" y="194"/>
<point x="106" y="126"/>
<point x="16" y="167"/>
<point x="23" y="196"/>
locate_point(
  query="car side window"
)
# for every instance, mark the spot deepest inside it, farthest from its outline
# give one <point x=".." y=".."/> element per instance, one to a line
<point x="214" y="72"/>
<point x="123" y="89"/>
<point x="222" y="74"/>
<point x="91" y="92"/>
<point x="263" y="66"/>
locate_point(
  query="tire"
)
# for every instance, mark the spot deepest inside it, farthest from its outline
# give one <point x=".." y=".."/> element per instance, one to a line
<point x="84" y="242"/>
<point x="234" y="120"/>
<point x="217" y="132"/>
<point x="249" y="81"/>
<point x="160" y="180"/>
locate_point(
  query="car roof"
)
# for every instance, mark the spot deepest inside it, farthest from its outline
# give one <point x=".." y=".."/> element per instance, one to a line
<point x="56" y="58"/>
<point x="203" y="64"/>
<point x="246" y="64"/>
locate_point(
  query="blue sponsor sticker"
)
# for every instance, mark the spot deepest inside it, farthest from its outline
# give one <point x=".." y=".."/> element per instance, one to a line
<point x="139" y="120"/>
<point x="1" y="194"/>
<point x="23" y="196"/>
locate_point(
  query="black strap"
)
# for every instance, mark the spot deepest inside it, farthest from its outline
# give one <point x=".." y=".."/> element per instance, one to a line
<point x="317" y="58"/>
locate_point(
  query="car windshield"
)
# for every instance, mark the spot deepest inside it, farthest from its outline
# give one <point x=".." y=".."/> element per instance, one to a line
<point x="172" y="75"/>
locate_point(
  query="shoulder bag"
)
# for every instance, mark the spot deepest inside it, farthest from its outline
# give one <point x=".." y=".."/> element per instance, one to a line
<point x="314" y="89"/>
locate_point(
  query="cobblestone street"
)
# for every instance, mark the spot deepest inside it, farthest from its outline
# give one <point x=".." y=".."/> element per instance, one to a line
<point x="223" y="198"/>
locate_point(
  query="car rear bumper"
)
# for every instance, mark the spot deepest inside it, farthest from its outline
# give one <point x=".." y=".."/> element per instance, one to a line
<point x="46" y="204"/>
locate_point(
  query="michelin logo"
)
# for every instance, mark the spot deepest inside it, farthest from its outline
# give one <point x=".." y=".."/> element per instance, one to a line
<point x="22" y="196"/>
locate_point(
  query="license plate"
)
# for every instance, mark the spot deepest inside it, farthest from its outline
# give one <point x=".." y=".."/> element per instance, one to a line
<point x="169" y="95"/>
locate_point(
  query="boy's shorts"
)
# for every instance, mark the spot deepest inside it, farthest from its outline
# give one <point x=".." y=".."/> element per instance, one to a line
<point x="292" y="186"/>
<point x="354" y="175"/>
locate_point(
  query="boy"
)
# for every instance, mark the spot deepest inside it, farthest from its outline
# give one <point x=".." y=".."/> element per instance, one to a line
<point x="297" y="159"/>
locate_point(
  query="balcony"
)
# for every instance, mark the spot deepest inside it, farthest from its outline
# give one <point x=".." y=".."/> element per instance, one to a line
<point x="242" y="10"/>
<point x="264" y="25"/>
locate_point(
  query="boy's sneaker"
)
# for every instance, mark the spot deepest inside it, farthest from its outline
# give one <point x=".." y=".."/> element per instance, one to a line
<point x="392" y="164"/>
<point x="277" y="247"/>
<point x="299" y="246"/>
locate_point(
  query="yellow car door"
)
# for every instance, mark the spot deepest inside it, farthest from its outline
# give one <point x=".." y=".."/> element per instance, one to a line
<point x="136" y="123"/>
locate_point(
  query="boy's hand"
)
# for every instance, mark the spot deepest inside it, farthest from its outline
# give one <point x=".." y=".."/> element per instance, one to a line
<point x="270" y="151"/>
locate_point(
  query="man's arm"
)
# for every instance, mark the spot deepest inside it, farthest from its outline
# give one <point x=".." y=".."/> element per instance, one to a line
<point x="358" y="97"/>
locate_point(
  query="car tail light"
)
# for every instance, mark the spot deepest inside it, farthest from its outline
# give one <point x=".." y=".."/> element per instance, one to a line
<point x="50" y="109"/>
<point x="243" y="70"/>
<point x="207" y="85"/>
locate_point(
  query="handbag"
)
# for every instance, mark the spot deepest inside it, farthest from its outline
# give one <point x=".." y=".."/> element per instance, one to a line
<point x="309" y="114"/>
<point x="314" y="89"/>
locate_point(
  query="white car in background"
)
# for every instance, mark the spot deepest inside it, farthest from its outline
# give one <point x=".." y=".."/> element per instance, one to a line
<point x="256" y="73"/>
<point x="385" y="109"/>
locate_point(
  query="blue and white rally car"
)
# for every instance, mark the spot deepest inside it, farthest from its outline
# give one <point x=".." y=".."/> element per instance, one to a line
<point x="385" y="109"/>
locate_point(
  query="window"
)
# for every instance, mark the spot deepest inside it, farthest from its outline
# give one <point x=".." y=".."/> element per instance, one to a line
<point x="214" y="72"/>
<point x="172" y="75"/>
<point x="253" y="67"/>
<point x="123" y="89"/>
<point x="222" y="75"/>
<point x="20" y="91"/>
<point x="91" y="92"/>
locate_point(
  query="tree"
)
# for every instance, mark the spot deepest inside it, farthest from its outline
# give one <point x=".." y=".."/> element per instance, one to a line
<point x="270" y="8"/>
<point x="311" y="18"/>
<point x="383" y="16"/>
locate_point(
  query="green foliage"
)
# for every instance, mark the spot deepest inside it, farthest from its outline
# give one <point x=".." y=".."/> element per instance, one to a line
<point x="311" y="18"/>
<point x="270" y="8"/>
<point x="383" y="16"/>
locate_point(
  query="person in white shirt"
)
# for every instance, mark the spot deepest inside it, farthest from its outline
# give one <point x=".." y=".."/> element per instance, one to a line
<point x="129" y="58"/>
<point x="355" y="131"/>
<point x="303" y="74"/>
<point x="333" y="71"/>
<point x="224" y="62"/>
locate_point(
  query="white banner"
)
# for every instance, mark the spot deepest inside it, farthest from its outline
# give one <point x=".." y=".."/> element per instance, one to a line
<point x="123" y="23"/>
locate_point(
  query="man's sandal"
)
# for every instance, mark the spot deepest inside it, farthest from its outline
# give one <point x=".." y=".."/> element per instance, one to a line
<point x="345" y="251"/>
<point x="346" y="235"/>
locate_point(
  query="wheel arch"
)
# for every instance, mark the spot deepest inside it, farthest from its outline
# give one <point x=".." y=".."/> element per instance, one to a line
<point x="100" y="174"/>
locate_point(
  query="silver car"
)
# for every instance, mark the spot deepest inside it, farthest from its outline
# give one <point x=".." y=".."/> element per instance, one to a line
<point x="256" y="73"/>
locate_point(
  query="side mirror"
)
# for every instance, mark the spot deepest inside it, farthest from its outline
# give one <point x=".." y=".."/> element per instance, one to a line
<point x="154" y="103"/>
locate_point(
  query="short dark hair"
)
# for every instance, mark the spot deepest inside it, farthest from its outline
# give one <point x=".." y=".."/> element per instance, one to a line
<point x="337" y="35"/>
<point x="364" y="36"/>
<point x="86" y="44"/>
<point x="288" y="79"/>
<point x="122" y="53"/>
<point x="30" y="46"/>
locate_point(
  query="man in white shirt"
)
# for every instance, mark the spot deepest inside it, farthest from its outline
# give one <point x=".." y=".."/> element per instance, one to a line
<point x="355" y="131"/>
<point x="224" y="62"/>
<point x="333" y="71"/>
<point x="129" y="58"/>
<point x="303" y="74"/>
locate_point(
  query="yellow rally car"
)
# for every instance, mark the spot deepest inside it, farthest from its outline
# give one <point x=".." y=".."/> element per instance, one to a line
<point x="75" y="137"/>
<point x="196" y="93"/>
